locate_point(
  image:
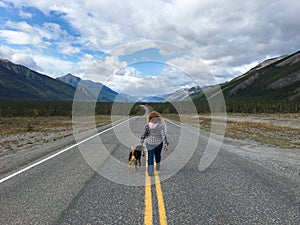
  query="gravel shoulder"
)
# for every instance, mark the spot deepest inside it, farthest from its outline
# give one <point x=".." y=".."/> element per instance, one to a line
<point x="284" y="162"/>
<point x="20" y="147"/>
<point x="270" y="140"/>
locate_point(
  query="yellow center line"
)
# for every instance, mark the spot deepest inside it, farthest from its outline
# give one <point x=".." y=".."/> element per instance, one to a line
<point x="160" y="201"/>
<point x="148" y="216"/>
<point x="148" y="197"/>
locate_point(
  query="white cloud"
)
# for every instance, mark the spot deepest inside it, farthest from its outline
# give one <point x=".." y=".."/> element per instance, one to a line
<point x="25" y="15"/>
<point x="3" y="4"/>
<point x="123" y="78"/>
<point x="129" y="71"/>
<point x="189" y="23"/>
<point x="191" y="68"/>
<point x="85" y="63"/>
<point x="24" y="57"/>
<point x="100" y="70"/>
<point x="6" y="52"/>
<point x="54" y="67"/>
<point x="141" y="86"/>
<point x="37" y="61"/>
<point x="26" y="60"/>
<point x="68" y="49"/>
<point x="131" y="47"/>
<point x="49" y="31"/>
<point x="22" y="26"/>
<point x="227" y="36"/>
<point x="22" y="33"/>
<point x="53" y="31"/>
<point x="16" y="37"/>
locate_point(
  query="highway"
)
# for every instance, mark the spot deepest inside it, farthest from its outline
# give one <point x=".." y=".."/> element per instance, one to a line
<point x="69" y="189"/>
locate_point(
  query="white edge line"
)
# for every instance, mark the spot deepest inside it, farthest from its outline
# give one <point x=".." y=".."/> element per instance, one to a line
<point x="58" y="153"/>
<point x="172" y="123"/>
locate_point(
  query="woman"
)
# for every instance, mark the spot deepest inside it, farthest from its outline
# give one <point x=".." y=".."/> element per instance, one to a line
<point x="154" y="134"/>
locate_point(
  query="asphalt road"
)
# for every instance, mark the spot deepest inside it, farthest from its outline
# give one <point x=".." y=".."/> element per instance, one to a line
<point x="67" y="190"/>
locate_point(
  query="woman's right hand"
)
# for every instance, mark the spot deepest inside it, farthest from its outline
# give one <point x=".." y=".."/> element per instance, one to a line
<point x="166" y="147"/>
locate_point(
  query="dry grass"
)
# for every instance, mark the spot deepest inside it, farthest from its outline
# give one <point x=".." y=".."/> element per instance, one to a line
<point x="16" y="125"/>
<point x="21" y="132"/>
<point x="275" y="135"/>
<point x="281" y="130"/>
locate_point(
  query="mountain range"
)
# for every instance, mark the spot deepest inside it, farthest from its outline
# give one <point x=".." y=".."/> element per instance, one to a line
<point x="176" y="96"/>
<point x="276" y="79"/>
<point x="91" y="89"/>
<point x="94" y="90"/>
<point x="19" y="82"/>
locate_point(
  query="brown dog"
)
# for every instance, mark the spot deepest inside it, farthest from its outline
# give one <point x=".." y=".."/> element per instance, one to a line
<point x="135" y="156"/>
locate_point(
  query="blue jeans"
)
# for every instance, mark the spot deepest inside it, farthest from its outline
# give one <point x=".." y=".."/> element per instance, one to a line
<point x="154" y="151"/>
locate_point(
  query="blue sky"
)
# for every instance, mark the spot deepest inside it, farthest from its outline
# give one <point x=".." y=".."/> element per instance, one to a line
<point x="128" y="45"/>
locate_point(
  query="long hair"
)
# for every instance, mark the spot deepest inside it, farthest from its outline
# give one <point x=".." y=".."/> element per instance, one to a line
<point x="152" y="115"/>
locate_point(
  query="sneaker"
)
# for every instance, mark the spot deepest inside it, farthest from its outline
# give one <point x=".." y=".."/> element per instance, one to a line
<point x="157" y="167"/>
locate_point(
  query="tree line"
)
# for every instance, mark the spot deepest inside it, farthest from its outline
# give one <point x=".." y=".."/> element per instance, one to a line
<point x="231" y="106"/>
<point x="35" y="108"/>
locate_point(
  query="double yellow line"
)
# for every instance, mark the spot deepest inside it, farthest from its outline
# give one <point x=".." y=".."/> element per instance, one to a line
<point x="148" y="216"/>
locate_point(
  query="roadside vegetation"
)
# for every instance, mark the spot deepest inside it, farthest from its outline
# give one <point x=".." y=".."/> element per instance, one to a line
<point x="22" y="132"/>
<point x="27" y="123"/>
<point x="279" y="130"/>
<point x="35" y="108"/>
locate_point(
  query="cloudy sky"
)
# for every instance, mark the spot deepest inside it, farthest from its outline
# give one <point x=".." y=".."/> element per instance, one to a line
<point x="145" y="47"/>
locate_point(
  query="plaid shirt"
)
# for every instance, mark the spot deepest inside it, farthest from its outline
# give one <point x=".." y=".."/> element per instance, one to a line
<point x="154" y="136"/>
